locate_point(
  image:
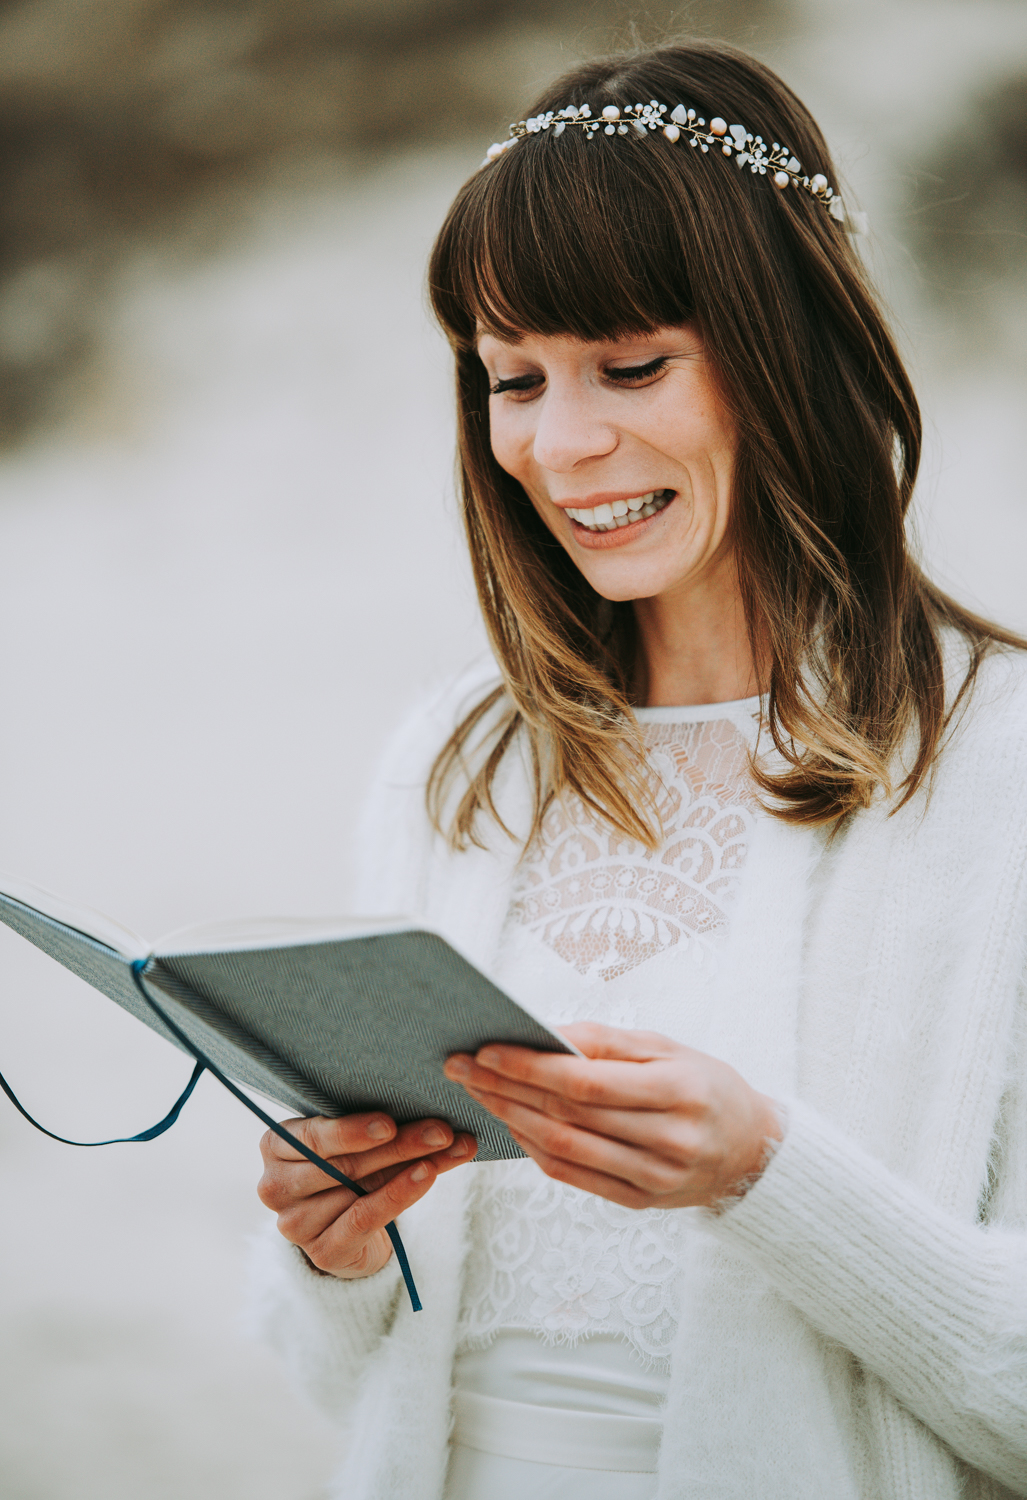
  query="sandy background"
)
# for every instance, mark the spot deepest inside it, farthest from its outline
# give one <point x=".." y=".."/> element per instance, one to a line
<point x="228" y="557"/>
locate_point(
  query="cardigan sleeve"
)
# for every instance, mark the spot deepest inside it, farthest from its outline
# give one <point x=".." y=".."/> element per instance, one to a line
<point x="935" y="1307"/>
<point x="324" y="1329"/>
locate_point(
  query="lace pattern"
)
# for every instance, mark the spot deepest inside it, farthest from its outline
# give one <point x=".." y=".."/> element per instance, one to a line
<point x="597" y="928"/>
<point x="604" y="903"/>
<point x="564" y="1263"/>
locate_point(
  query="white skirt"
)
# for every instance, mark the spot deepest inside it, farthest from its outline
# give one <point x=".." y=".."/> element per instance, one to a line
<point x="555" y="1423"/>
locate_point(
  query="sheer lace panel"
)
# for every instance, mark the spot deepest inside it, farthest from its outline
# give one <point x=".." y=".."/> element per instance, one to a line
<point x="564" y="1263"/>
<point x="605" y="904"/>
<point x="592" y="931"/>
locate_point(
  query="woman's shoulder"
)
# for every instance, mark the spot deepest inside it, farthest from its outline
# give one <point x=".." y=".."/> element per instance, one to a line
<point x="981" y="767"/>
<point x="432" y="717"/>
<point x="992" y="712"/>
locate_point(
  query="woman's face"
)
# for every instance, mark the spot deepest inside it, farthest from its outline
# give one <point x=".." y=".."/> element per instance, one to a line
<point x="626" y="451"/>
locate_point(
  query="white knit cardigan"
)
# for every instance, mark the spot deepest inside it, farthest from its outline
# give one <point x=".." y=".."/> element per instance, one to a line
<point x="856" y="1325"/>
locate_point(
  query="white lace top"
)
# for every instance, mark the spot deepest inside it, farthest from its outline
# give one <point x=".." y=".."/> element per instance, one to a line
<point x="599" y="929"/>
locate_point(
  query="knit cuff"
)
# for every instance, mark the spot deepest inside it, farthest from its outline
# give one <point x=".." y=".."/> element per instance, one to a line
<point x="324" y="1328"/>
<point x="359" y="1310"/>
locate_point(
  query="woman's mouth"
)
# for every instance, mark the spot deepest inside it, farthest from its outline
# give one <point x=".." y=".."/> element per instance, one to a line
<point x="620" y="513"/>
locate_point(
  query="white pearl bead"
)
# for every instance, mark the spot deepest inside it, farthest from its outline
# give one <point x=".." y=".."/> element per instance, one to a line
<point x="818" y="183"/>
<point x="611" y="112"/>
<point x="781" y="179"/>
<point x="671" y="132"/>
<point x="718" y="126"/>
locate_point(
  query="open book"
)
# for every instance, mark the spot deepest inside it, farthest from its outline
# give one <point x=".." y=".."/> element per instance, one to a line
<point x="321" y="1016"/>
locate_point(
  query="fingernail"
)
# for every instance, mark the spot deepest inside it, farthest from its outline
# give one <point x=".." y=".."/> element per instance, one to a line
<point x="434" y="1135"/>
<point x="378" y="1130"/>
<point x="458" y="1067"/>
<point x="420" y="1172"/>
<point x="488" y="1057"/>
<point x="458" y="1149"/>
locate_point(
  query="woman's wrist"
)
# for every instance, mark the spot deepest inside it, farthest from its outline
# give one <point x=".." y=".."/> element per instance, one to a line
<point x="769" y="1132"/>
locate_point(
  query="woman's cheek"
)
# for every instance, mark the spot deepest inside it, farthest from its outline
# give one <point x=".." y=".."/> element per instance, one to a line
<point x="511" y="444"/>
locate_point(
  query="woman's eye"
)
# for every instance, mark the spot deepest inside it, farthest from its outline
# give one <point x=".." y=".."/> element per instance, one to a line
<point x="631" y="374"/>
<point x="519" y="383"/>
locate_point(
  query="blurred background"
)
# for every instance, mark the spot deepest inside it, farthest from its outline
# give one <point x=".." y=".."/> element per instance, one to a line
<point x="229" y="556"/>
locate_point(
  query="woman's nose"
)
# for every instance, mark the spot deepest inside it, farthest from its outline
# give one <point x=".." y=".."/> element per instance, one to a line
<point x="570" y="430"/>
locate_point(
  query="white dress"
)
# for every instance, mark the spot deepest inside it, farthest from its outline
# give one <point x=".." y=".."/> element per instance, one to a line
<point x="569" y="1310"/>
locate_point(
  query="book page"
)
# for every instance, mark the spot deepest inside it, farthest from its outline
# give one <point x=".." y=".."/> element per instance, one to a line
<point x="93" y="924"/>
<point x="248" y="934"/>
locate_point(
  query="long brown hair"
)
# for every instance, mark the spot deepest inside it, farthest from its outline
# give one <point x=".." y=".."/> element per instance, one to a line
<point x="601" y="238"/>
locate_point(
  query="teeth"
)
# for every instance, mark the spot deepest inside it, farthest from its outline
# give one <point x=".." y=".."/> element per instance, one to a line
<point x="621" y="512"/>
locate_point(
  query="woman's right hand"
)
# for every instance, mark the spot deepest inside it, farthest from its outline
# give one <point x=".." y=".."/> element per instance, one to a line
<point x="339" y="1233"/>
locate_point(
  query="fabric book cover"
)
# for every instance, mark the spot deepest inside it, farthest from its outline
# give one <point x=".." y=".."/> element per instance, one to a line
<point x="321" y="1016"/>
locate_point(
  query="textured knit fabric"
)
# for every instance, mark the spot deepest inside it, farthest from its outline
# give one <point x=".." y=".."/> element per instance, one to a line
<point x="856" y="1325"/>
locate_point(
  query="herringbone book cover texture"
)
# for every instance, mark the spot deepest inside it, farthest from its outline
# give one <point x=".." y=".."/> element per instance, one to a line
<point x="323" y="1026"/>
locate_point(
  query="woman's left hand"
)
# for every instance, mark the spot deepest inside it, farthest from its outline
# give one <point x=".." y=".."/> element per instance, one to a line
<point x="639" y="1119"/>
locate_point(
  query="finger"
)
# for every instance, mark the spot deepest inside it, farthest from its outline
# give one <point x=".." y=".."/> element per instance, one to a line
<point x="672" y="1135"/>
<point x="345" y="1236"/>
<point x="306" y="1219"/>
<point x="330" y="1137"/>
<point x="635" y="1166"/>
<point x="611" y="1188"/>
<point x="463" y="1149"/>
<point x="286" y="1181"/>
<point x="613" y="1085"/>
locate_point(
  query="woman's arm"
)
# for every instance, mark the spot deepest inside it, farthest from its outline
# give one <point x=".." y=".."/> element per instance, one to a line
<point x="935" y="1307"/>
<point x="326" y="1298"/>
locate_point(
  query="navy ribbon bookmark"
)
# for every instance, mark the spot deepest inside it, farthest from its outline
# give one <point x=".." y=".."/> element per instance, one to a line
<point x="118" y="1140"/>
<point x="204" y="1064"/>
<point x="138" y="970"/>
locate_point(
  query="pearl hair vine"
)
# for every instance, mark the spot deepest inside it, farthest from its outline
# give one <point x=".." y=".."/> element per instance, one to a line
<point x="733" y="140"/>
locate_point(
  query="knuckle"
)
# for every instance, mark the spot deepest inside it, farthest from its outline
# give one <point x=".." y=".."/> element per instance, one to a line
<point x="657" y="1177"/>
<point x="674" y="1141"/>
<point x="360" y="1217"/>
<point x="560" y="1171"/>
<point x="559" y="1139"/>
<point x="291" y="1225"/>
<point x="269" y="1191"/>
<point x="589" y="1089"/>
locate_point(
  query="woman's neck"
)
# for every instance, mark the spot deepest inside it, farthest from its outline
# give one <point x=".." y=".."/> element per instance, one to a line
<point x="695" y="644"/>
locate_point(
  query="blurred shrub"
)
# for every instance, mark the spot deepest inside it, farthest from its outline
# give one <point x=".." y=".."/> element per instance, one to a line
<point x="117" y="117"/>
<point x="972" y="224"/>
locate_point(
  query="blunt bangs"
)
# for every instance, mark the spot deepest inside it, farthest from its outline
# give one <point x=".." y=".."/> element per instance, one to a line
<point x="566" y="236"/>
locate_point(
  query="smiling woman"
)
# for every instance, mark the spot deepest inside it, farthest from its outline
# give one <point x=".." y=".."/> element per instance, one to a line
<point x="643" y="418"/>
<point x="769" y="1236"/>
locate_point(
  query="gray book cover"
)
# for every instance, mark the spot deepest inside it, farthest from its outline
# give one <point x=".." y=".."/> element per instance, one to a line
<point x="323" y="1017"/>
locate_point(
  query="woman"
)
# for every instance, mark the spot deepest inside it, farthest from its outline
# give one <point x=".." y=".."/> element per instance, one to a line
<point x="744" y="813"/>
